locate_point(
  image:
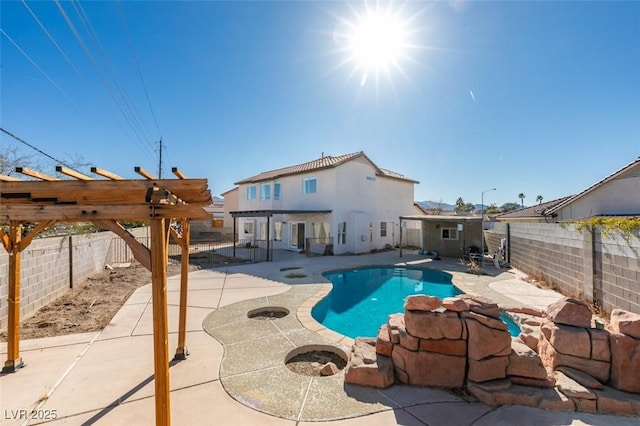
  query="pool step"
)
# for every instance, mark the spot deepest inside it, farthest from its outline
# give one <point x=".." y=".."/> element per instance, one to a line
<point x="399" y="272"/>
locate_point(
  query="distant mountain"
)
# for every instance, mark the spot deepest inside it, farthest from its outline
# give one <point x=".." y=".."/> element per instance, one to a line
<point x="216" y="198"/>
<point x="428" y="205"/>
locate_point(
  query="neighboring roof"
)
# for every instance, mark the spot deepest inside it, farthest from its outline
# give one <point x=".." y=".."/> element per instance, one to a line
<point x="539" y="210"/>
<point x="324" y="162"/>
<point x="422" y="209"/>
<point x="596" y="185"/>
<point x="230" y="191"/>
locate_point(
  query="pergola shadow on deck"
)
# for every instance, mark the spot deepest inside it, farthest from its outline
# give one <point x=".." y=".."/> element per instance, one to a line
<point x="46" y="200"/>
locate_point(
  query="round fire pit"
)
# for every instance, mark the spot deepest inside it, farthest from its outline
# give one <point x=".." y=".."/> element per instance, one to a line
<point x="316" y="360"/>
<point x="268" y="313"/>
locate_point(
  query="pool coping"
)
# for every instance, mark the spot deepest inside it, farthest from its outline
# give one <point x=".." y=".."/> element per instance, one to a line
<point x="304" y="398"/>
<point x="291" y="396"/>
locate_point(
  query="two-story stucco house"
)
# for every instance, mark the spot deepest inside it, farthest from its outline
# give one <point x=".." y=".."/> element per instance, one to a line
<point x="343" y="201"/>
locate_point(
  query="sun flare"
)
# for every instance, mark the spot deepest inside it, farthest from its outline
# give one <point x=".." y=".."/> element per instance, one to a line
<point x="376" y="41"/>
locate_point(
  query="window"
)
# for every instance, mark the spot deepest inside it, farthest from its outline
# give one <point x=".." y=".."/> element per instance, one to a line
<point x="308" y="185"/>
<point x="449" y="234"/>
<point x="251" y="192"/>
<point x="276" y="191"/>
<point x="265" y="192"/>
<point x="342" y="233"/>
<point x="383" y="229"/>
<point x="277" y="231"/>
<point x="248" y="227"/>
<point x="370" y="232"/>
<point x="320" y="229"/>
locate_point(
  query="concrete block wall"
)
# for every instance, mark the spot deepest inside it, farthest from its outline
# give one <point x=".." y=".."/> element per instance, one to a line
<point x="202" y="230"/>
<point x="603" y="270"/>
<point x="617" y="271"/>
<point x="554" y="254"/>
<point x="493" y="236"/>
<point x="46" y="273"/>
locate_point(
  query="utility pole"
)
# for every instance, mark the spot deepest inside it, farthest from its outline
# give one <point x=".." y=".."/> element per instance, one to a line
<point x="160" y="161"/>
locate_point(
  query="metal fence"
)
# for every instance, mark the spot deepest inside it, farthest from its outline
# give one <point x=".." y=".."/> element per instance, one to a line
<point x="202" y="252"/>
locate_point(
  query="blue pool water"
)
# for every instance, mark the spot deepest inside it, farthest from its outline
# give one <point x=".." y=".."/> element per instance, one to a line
<point x="362" y="299"/>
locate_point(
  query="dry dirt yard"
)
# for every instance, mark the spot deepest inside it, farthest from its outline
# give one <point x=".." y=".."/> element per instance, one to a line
<point x="91" y="304"/>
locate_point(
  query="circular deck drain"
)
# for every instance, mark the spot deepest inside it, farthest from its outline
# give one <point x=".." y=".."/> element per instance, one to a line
<point x="295" y="274"/>
<point x="268" y="313"/>
<point x="313" y="360"/>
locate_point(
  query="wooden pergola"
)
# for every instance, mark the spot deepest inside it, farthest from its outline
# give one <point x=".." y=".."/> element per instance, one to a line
<point x="46" y="200"/>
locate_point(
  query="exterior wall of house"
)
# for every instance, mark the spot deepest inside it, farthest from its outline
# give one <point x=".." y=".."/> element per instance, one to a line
<point x="354" y="195"/>
<point x="603" y="270"/>
<point x="230" y="205"/>
<point x="619" y="196"/>
<point x="364" y="200"/>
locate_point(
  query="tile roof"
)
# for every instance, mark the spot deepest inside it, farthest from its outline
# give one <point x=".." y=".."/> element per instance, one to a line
<point x="323" y="162"/>
<point x="539" y="210"/>
<point x="612" y="176"/>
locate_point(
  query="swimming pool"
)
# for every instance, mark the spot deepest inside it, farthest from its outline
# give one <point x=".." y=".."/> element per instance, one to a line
<point x="362" y="299"/>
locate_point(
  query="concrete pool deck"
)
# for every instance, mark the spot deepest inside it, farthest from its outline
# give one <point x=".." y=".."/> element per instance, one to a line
<point x="107" y="377"/>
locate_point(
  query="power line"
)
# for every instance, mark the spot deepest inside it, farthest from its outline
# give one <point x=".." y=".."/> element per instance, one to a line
<point x="98" y="96"/>
<point x="135" y="57"/>
<point x="34" y="148"/>
<point x="77" y="71"/>
<point x="131" y="110"/>
<point x="37" y="67"/>
<point x="97" y="69"/>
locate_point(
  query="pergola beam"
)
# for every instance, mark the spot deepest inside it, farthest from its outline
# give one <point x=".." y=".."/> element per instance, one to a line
<point x="145" y="174"/>
<point x="5" y="178"/>
<point x="72" y="173"/>
<point x="35" y="174"/>
<point x="140" y="252"/>
<point x="6" y="241"/>
<point x="105" y="173"/>
<point x="91" y="213"/>
<point x="178" y="173"/>
<point x="192" y="191"/>
<point x="26" y="240"/>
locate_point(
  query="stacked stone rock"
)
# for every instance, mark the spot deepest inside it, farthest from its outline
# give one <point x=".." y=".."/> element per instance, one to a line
<point x="584" y="358"/>
<point x="440" y="343"/>
<point x="461" y="342"/>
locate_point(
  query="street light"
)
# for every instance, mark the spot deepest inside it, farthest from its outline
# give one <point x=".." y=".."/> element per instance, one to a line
<point x="482" y="227"/>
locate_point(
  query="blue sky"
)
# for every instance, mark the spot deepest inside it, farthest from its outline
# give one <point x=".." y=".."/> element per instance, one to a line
<point x="534" y="97"/>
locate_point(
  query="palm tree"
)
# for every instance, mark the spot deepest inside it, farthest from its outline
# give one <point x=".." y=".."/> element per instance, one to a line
<point x="539" y="199"/>
<point x="522" y="197"/>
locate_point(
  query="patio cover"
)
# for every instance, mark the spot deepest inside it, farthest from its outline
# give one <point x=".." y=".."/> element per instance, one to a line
<point x="437" y="218"/>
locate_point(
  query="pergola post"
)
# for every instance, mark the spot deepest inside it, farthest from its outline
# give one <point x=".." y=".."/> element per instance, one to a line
<point x="14" y="361"/>
<point x="159" y="249"/>
<point x="181" y="351"/>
